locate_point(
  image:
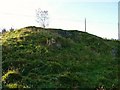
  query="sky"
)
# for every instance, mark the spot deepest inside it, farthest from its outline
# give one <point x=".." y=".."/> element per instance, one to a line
<point x="101" y="15"/>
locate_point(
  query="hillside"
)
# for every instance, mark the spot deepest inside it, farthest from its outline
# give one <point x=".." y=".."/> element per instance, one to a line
<point x="33" y="57"/>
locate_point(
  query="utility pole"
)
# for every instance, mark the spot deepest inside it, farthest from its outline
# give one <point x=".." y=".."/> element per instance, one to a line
<point x="85" y="24"/>
<point x="119" y="20"/>
<point x="118" y="31"/>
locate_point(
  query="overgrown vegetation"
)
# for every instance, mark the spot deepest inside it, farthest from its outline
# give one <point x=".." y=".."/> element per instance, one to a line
<point x="54" y="58"/>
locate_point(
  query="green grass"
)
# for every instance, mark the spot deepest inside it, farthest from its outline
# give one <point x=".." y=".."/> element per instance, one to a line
<point x="55" y="58"/>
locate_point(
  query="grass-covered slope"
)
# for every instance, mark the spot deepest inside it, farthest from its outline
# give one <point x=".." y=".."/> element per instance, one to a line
<point x="52" y="58"/>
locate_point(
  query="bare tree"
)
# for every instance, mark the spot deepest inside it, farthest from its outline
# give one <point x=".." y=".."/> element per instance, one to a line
<point x="11" y="29"/>
<point x="42" y="17"/>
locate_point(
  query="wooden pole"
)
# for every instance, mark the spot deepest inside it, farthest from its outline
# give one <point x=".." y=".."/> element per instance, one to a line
<point x="85" y="24"/>
<point x="118" y="30"/>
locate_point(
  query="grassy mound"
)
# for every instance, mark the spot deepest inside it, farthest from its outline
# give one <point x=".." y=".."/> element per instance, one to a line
<point x="55" y="58"/>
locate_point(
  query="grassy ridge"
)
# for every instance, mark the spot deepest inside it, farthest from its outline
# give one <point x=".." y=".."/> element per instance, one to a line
<point x="55" y="58"/>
